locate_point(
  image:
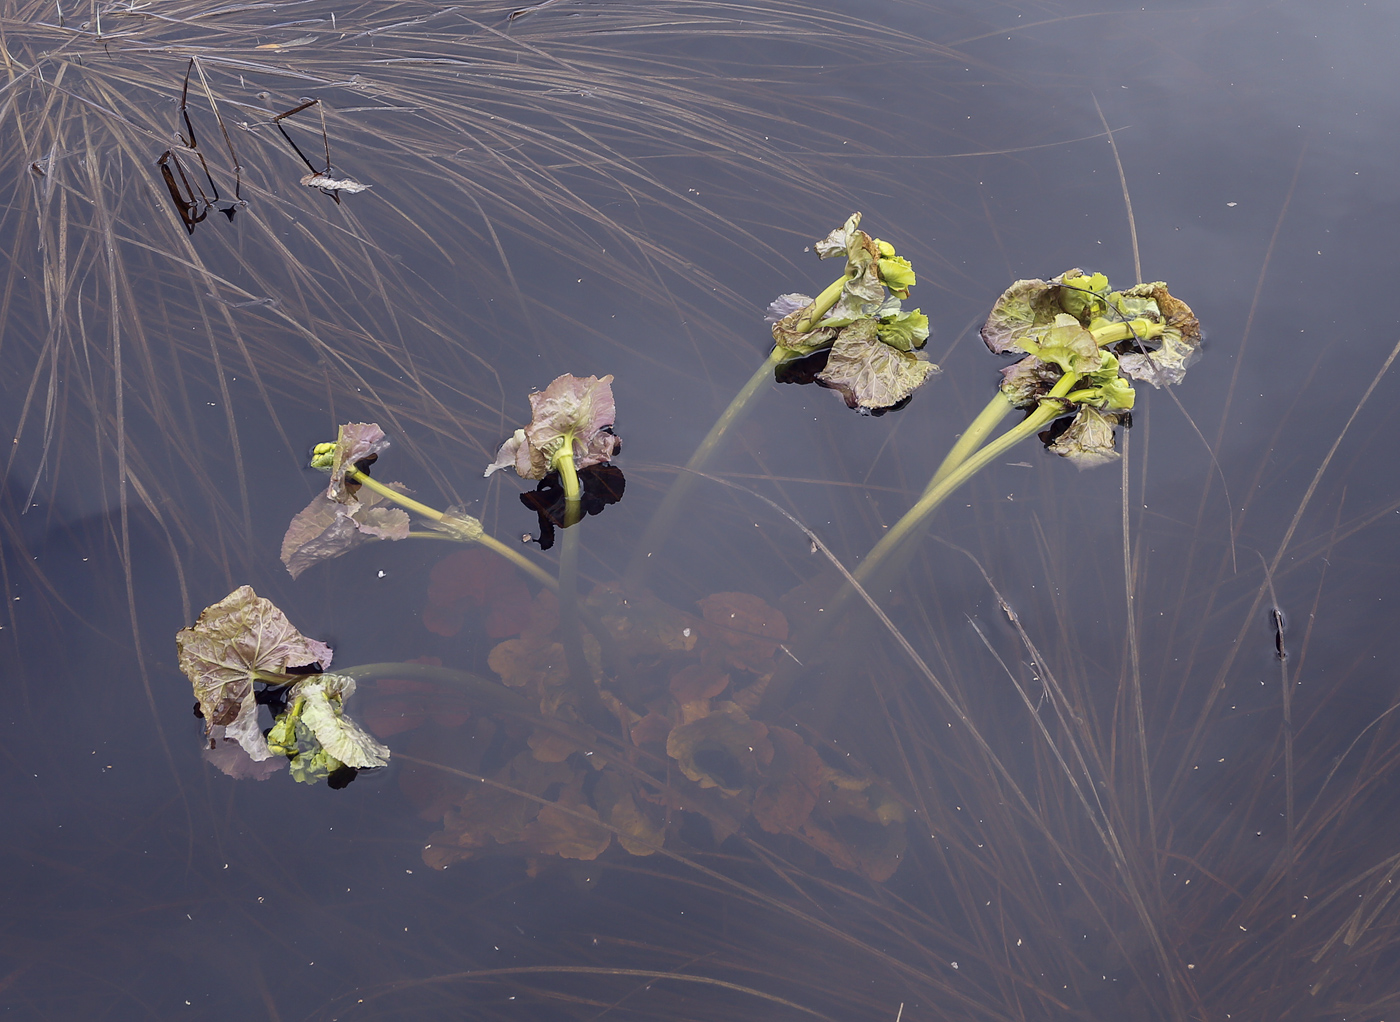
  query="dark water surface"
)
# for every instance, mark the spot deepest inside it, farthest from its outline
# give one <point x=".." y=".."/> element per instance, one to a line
<point x="622" y="188"/>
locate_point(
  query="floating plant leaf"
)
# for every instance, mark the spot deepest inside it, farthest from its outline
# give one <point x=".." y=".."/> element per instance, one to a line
<point x="1069" y="345"/>
<point x="787" y="336"/>
<point x="1025" y="312"/>
<point x="785" y="305"/>
<point x="357" y="445"/>
<point x="870" y="375"/>
<point x="904" y="331"/>
<point x="458" y="524"/>
<point x="327" y="529"/>
<point x="571" y="406"/>
<point x="897" y="274"/>
<point x="235" y="642"/>
<point x="324" y="714"/>
<point x="1088" y="441"/>
<point x="332" y="184"/>
<point x="1162" y="361"/>
<point x="1027" y="381"/>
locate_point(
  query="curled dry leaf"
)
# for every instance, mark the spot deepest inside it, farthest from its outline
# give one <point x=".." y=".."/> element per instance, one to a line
<point x="333" y="184"/>
<point x="1161" y="361"/>
<point x="323" y="712"/>
<point x="234" y="643"/>
<point x="1025" y="311"/>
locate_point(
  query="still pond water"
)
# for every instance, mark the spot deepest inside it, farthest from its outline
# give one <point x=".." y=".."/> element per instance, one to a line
<point x="1094" y="800"/>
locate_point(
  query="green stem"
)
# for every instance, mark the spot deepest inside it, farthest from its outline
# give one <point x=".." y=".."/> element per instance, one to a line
<point x="1051" y="407"/>
<point x="489" y="542"/>
<point x="568" y="476"/>
<point x="974" y="437"/>
<point x="356" y="476"/>
<point x="821" y="305"/>
<point x="579" y="671"/>
<point x="665" y="517"/>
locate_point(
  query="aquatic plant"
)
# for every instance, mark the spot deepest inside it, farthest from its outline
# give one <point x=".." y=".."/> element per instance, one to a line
<point x="243" y="642"/>
<point x="856" y="329"/>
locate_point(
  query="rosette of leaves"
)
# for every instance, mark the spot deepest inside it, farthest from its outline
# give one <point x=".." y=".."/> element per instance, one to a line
<point x="317" y="737"/>
<point x="573" y="412"/>
<point x="1076" y="324"/>
<point x="870" y="342"/>
<point x="238" y="642"/>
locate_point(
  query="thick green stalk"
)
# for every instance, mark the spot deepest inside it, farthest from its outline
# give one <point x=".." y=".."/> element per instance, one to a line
<point x="821" y="305"/>
<point x="665" y="517"/>
<point x="975" y="435"/>
<point x="568" y="567"/>
<point x="1051" y="406"/>
<point x="568" y="476"/>
<point x="489" y="542"/>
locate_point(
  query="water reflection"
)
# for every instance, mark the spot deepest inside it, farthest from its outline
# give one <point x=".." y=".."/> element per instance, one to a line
<point x="1125" y="803"/>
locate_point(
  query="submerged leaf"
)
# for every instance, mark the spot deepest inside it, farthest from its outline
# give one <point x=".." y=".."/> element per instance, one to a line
<point x="474" y="578"/>
<point x="571" y="406"/>
<point x="871" y="375"/>
<point x="569" y="827"/>
<point x="788" y="793"/>
<point x="858" y="824"/>
<point x="723" y="749"/>
<point x="233" y="644"/>
<point x="327" y="529"/>
<point x="745" y="628"/>
<point x="232" y="759"/>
